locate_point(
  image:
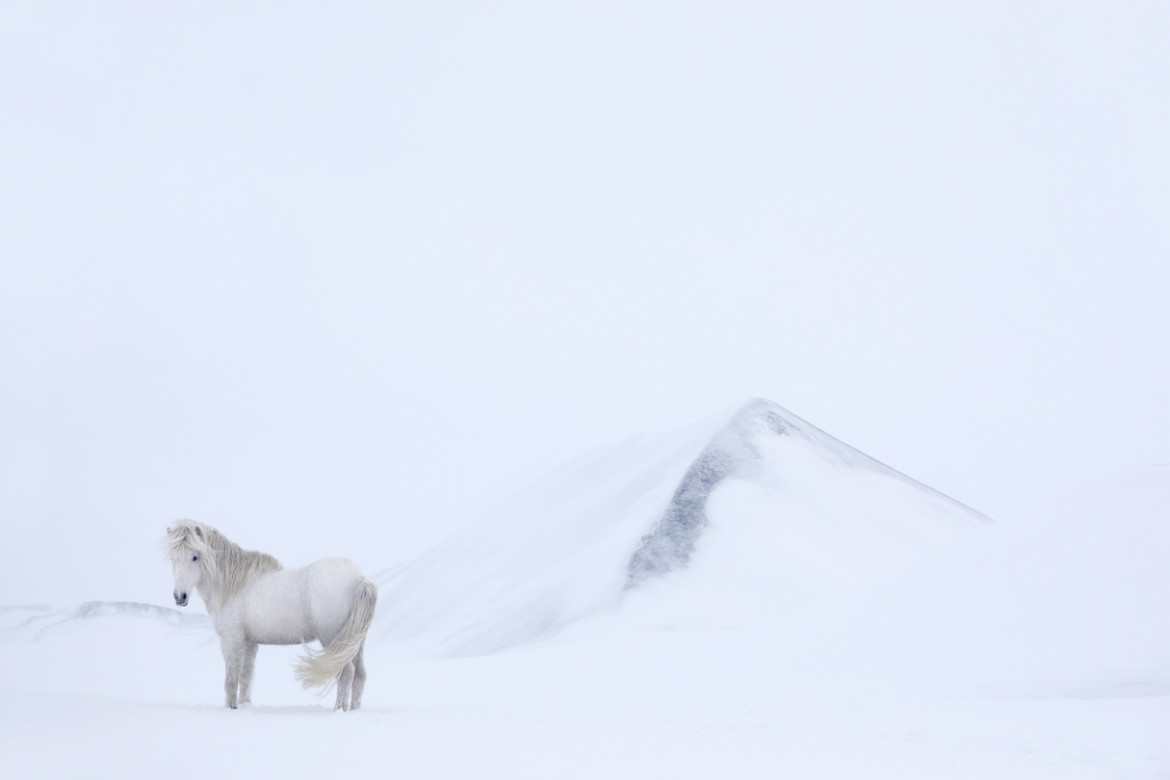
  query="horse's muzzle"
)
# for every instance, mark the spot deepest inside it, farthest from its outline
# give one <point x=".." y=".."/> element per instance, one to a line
<point x="181" y="599"/>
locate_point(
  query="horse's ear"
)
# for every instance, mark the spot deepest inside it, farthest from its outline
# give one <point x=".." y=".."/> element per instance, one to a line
<point x="198" y="531"/>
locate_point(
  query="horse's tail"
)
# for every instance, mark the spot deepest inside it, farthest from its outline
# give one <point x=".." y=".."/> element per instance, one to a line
<point x="323" y="667"/>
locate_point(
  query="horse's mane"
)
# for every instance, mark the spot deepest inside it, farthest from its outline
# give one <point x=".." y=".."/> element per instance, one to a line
<point x="227" y="566"/>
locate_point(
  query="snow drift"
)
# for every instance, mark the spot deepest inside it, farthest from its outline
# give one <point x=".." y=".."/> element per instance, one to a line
<point x="803" y="505"/>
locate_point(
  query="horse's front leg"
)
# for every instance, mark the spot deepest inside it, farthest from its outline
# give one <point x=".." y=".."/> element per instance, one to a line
<point x="233" y="661"/>
<point x="246" y="668"/>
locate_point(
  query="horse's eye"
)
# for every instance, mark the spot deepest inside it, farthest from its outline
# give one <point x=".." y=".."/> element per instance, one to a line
<point x="194" y="557"/>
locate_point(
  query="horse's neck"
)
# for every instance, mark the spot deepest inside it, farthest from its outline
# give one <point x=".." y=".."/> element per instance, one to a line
<point x="235" y="567"/>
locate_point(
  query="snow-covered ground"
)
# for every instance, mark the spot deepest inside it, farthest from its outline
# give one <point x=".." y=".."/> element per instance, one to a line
<point x="820" y="615"/>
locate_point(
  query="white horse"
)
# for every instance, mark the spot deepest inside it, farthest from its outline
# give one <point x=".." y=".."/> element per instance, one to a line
<point x="254" y="600"/>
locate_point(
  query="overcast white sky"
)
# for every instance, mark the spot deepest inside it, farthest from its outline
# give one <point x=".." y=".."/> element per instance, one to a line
<point x="338" y="277"/>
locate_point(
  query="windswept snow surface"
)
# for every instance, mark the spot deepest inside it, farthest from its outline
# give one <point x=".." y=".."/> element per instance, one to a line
<point x="554" y="553"/>
<point x="834" y="619"/>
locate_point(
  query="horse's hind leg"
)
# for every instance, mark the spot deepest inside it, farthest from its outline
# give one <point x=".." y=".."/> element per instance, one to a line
<point x="344" y="683"/>
<point x="359" y="679"/>
<point x="247" y="666"/>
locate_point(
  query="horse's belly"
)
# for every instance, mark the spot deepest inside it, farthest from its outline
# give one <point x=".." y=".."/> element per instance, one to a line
<point x="268" y="629"/>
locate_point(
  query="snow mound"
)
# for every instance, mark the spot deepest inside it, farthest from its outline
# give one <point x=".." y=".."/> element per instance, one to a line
<point x="790" y="498"/>
<point x="35" y="622"/>
<point x="743" y="449"/>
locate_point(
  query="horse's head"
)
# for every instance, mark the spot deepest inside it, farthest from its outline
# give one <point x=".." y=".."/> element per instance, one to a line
<point x="186" y="544"/>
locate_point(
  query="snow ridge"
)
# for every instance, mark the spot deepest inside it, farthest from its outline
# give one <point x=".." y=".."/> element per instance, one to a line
<point x="41" y="620"/>
<point x="734" y="452"/>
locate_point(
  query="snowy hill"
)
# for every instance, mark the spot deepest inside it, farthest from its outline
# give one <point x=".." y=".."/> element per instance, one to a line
<point x="796" y="505"/>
